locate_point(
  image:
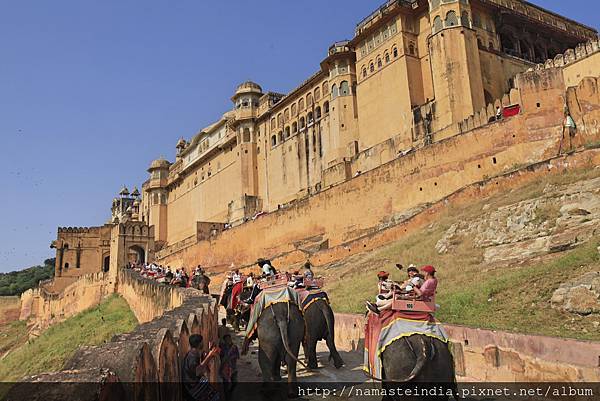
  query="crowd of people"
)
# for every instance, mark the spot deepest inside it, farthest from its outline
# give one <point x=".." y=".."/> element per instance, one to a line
<point x="175" y="277"/>
<point x="419" y="284"/>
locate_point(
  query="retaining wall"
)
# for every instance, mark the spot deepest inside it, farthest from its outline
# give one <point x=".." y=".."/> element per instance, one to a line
<point x="499" y="356"/>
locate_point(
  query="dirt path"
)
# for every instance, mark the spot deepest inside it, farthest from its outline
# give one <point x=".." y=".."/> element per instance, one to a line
<point x="250" y="378"/>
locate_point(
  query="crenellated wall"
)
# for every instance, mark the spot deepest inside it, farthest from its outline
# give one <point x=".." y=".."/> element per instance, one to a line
<point x="499" y="356"/>
<point x="43" y="308"/>
<point x="145" y="297"/>
<point x="147" y="361"/>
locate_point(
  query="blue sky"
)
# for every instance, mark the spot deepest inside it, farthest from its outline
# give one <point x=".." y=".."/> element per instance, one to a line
<point x="92" y="90"/>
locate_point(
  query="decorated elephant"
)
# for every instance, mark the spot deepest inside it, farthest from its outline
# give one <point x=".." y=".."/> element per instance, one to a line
<point x="320" y="322"/>
<point x="280" y="331"/>
<point x="418" y="359"/>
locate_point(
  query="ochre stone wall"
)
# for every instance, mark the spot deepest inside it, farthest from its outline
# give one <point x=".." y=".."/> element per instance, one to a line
<point x="498" y="356"/>
<point x="148" y="359"/>
<point x="380" y="198"/>
<point x="46" y="308"/>
<point x="146" y="298"/>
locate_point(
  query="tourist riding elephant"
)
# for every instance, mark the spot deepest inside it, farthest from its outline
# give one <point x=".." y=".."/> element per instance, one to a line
<point x="320" y="322"/>
<point x="280" y="332"/>
<point x="418" y="359"/>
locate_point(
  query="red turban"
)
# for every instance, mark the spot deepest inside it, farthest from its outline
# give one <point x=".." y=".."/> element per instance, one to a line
<point x="383" y="274"/>
<point x="428" y="269"/>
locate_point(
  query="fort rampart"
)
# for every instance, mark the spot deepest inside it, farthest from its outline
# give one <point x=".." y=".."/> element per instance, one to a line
<point x="148" y="359"/>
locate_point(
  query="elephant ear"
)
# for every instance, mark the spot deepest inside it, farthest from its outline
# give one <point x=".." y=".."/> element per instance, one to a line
<point x="422" y="354"/>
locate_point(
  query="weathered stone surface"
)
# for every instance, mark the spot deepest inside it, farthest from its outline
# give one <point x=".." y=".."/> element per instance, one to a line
<point x="580" y="296"/>
<point x="562" y="218"/>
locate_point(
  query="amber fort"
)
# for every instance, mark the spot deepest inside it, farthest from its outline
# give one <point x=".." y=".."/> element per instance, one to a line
<point x="428" y="99"/>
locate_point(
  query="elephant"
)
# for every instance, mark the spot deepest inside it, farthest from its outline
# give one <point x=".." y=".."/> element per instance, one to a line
<point x="418" y="359"/>
<point x="280" y="332"/>
<point x="320" y="322"/>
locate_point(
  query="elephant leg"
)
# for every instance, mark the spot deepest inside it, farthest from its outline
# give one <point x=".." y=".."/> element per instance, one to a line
<point x="266" y="365"/>
<point x="276" y="368"/>
<point x="338" y="362"/>
<point x="310" y="351"/>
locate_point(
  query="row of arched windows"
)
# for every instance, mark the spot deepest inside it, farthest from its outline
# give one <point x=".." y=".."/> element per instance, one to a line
<point x="302" y="104"/>
<point x="450" y="21"/>
<point x="302" y="123"/>
<point x="387" y="55"/>
<point x="343" y="90"/>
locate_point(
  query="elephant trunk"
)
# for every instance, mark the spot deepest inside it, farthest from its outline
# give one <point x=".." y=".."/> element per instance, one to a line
<point x="422" y="355"/>
<point x="283" y="329"/>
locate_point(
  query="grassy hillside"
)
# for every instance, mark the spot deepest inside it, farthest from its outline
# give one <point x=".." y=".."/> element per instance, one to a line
<point x="12" y="331"/>
<point x="514" y="297"/>
<point x="17" y="282"/>
<point x="56" y="345"/>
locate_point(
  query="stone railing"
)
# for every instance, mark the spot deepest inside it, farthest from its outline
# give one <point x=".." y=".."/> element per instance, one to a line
<point x="141" y="365"/>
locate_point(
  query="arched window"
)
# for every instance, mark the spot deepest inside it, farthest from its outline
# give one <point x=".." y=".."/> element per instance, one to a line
<point x="317" y="93"/>
<point x="318" y="112"/>
<point x="334" y="91"/>
<point x="246" y="137"/>
<point x="364" y="72"/>
<point x="344" y="89"/>
<point x="464" y="19"/>
<point x="302" y="124"/>
<point x="451" y="19"/>
<point x="379" y="63"/>
<point x="325" y="88"/>
<point x="286" y="115"/>
<point x="309" y="99"/>
<point x="294" y="127"/>
<point x="326" y="107"/>
<point x="294" y="110"/>
<point x="387" y="57"/>
<point x="411" y="49"/>
<point x="309" y="118"/>
<point x="273" y="123"/>
<point x="279" y="120"/>
<point x="437" y="24"/>
<point x="273" y="140"/>
<point x="395" y="52"/>
<point x="300" y="104"/>
<point x="372" y="67"/>
<point x="280" y="137"/>
<point x="287" y="132"/>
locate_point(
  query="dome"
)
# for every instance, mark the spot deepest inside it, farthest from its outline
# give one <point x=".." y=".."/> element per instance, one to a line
<point x="135" y="192"/>
<point x="159" y="164"/>
<point x="248" y="87"/>
<point x="124" y="191"/>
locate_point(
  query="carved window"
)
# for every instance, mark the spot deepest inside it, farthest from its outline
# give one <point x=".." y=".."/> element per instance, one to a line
<point x="317" y="93"/>
<point x="294" y="110"/>
<point x="334" y="91"/>
<point x="451" y="19"/>
<point x="301" y="105"/>
<point x="273" y="140"/>
<point x="344" y="89"/>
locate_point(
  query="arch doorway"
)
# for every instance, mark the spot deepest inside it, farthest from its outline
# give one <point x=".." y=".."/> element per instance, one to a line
<point x="106" y="263"/>
<point x="136" y="254"/>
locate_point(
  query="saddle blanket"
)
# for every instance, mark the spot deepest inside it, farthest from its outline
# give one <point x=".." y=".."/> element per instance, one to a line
<point x="389" y="326"/>
<point x="265" y="299"/>
<point x="307" y="297"/>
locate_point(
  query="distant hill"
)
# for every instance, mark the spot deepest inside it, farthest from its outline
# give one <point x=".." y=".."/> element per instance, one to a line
<point x="15" y="283"/>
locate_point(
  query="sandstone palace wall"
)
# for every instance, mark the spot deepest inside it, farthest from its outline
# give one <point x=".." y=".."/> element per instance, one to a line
<point x="386" y="195"/>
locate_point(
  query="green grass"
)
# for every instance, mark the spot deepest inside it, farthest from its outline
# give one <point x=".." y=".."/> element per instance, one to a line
<point x="513" y="298"/>
<point x="56" y="345"/>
